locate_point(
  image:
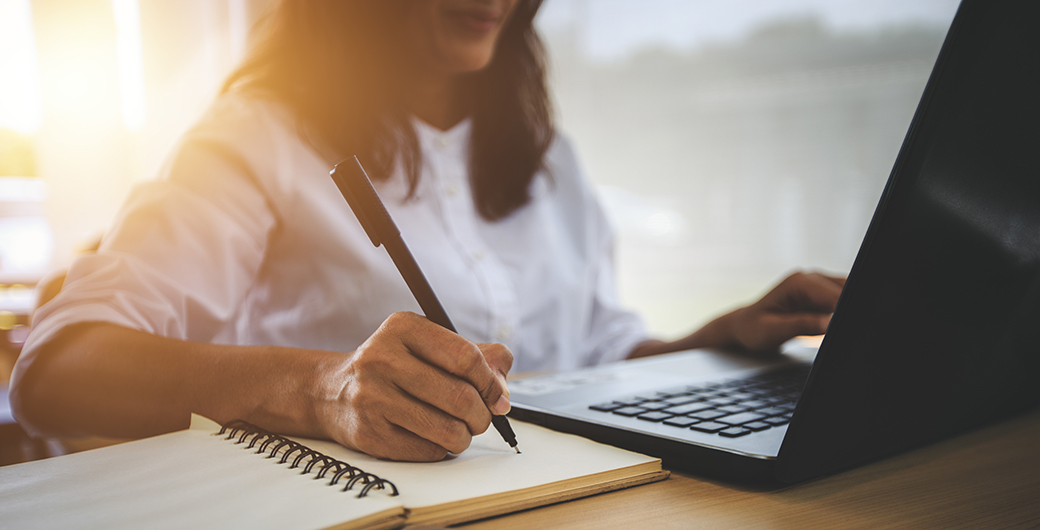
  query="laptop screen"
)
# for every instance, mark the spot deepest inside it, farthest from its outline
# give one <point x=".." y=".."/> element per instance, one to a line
<point x="938" y="329"/>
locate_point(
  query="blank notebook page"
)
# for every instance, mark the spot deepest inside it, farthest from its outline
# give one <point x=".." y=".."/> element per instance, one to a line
<point x="184" y="480"/>
<point x="490" y="473"/>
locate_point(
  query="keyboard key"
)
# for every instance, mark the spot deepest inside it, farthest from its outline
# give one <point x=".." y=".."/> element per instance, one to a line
<point x="726" y="400"/>
<point x="777" y="420"/>
<point x="742" y="396"/>
<point x="654" y="416"/>
<point x="705" y="396"/>
<point x="688" y="408"/>
<point x="707" y="415"/>
<point x="734" y="432"/>
<point x="757" y="426"/>
<point x="772" y="411"/>
<point x="709" y="426"/>
<point x="654" y="405"/>
<point x="607" y="407"/>
<point x="681" y="400"/>
<point x="680" y="421"/>
<point x="629" y="411"/>
<point x="760" y="390"/>
<point x="629" y="402"/>
<point x="732" y="409"/>
<point x="739" y="419"/>
<point x="754" y="404"/>
<point x="647" y="397"/>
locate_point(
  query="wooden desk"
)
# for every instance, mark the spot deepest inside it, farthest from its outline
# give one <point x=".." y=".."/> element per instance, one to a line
<point x="984" y="479"/>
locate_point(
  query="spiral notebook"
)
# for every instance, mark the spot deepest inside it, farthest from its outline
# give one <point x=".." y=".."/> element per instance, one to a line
<point x="239" y="476"/>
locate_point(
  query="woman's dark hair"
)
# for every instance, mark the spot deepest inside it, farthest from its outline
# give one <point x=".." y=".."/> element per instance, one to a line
<point x="341" y="66"/>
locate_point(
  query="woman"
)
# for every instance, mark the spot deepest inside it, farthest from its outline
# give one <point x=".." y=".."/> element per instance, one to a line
<point x="230" y="286"/>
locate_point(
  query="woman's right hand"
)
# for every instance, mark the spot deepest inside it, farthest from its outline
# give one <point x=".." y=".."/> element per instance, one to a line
<point x="414" y="391"/>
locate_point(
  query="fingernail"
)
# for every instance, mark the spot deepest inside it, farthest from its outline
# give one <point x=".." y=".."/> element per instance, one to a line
<point x="505" y="386"/>
<point x="501" y="406"/>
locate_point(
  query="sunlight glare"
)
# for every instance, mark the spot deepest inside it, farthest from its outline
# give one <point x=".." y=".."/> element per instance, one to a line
<point x="131" y="62"/>
<point x="20" y="90"/>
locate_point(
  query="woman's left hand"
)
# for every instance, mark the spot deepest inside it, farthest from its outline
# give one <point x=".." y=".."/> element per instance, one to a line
<point x="801" y="304"/>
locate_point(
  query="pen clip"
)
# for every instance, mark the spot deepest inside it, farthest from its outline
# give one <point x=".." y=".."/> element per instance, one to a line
<point x="353" y="182"/>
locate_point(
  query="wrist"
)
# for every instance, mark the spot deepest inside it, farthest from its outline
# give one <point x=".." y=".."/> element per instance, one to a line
<point x="321" y="387"/>
<point x="719" y="333"/>
<point x="275" y="388"/>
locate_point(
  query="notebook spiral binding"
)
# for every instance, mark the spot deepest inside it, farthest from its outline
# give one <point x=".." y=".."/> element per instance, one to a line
<point x="305" y="456"/>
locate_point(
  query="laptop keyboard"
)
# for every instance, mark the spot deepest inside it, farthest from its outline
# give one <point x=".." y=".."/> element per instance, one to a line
<point x="731" y="408"/>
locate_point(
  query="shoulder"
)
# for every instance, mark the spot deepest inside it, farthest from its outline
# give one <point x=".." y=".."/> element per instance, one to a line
<point x="561" y="158"/>
<point x="245" y="120"/>
<point x="563" y="174"/>
<point x="240" y="134"/>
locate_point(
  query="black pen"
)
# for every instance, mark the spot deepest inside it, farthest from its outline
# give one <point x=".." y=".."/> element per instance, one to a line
<point x="357" y="189"/>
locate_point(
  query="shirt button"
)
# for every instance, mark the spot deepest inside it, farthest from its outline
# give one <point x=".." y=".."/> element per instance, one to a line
<point x="442" y="142"/>
<point x="478" y="255"/>
<point x="504" y="332"/>
<point x="451" y="189"/>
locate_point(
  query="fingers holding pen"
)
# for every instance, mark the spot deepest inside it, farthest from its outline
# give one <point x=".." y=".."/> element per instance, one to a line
<point x="499" y="359"/>
<point x="413" y="376"/>
<point x="482" y="366"/>
<point x="391" y="424"/>
<point x="431" y="424"/>
<point x="446" y="392"/>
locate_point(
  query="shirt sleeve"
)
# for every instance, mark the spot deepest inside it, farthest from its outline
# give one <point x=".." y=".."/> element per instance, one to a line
<point x="611" y="331"/>
<point x="184" y="249"/>
<point x="614" y="331"/>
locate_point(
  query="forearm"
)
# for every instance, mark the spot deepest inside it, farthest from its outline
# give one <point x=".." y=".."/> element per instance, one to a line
<point x="714" y="334"/>
<point x="102" y="379"/>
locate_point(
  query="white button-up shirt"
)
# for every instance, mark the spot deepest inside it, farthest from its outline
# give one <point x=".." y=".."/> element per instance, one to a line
<point x="244" y="239"/>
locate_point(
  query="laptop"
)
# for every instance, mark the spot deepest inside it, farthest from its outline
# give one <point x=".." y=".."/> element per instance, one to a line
<point x="937" y="330"/>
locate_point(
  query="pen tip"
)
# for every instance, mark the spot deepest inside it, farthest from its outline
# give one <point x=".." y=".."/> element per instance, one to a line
<point x="517" y="449"/>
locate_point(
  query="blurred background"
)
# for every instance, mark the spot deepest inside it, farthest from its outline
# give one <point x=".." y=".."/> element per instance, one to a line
<point x="732" y="141"/>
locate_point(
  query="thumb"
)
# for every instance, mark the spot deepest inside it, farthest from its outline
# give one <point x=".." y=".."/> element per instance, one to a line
<point x="500" y="360"/>
<point x="776" y="329"/>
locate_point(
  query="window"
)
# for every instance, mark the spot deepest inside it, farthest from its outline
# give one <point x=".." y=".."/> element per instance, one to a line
<point x="734" y="142"/>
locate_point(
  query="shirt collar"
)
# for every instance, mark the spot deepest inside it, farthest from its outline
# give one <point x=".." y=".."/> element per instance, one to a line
<point x="451" y="141"/>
